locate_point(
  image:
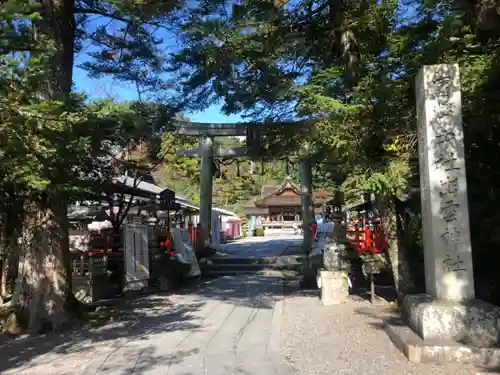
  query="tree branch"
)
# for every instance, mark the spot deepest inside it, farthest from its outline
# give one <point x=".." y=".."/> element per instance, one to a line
<point x="117" y="17"/>
<point x="97" y="12"/>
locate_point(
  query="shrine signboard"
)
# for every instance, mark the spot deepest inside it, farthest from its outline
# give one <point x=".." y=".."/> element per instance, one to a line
<point x="216" y="237"/>
<point x="185" y="251"/>
<point x="167" y="200"/>
<point x="136" y="256"/>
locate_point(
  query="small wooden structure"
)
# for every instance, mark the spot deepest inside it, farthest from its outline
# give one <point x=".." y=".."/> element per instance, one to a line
<point x="94" y="256"/>
<point x="98" y="256"/>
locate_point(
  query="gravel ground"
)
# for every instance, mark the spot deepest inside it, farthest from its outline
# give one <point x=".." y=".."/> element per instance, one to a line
<point x="346" y="339"/>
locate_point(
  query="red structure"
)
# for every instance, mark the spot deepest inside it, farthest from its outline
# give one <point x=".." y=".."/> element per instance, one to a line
<point x="232" y="228"/>
<point x="194" y="234"/>
<point x="313" y="230"/>
<point x="364" y="230"/>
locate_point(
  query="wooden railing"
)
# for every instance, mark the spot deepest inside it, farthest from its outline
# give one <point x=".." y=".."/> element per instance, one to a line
<point x="277" y="225"/>
<point x="87" y="264"/>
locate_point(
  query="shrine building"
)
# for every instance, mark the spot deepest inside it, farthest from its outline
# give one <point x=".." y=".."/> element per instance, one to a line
<point x="279" y="206"/>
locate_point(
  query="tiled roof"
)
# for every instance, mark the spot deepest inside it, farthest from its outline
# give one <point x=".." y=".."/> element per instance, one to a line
<point x="321" y="193"/>
<point x="268" y="190"/>
<point x="256" y="211"/>
<point x="279" y="200"/>
<point x="284" y="200"/>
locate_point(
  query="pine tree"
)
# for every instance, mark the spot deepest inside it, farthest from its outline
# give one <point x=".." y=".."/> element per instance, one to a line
<point x="44" y="37"/>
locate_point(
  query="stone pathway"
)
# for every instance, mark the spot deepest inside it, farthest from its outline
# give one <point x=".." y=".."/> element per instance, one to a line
<point x="346" y="339"/>
<point x="259" y="247"/>
<point x="224" y="327"/>
<point x="230" y="325"/>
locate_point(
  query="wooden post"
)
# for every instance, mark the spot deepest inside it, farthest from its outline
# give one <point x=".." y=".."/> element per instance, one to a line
<point x="372" y="288"/>
<point x="206" y="183"/>
<point x="306" y="204"/>
<point x="82" y="265"/>
<point x="91" y="267"/>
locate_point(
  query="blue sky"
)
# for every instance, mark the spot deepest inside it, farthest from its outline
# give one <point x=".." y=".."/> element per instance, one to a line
<point x="106" y="87"/>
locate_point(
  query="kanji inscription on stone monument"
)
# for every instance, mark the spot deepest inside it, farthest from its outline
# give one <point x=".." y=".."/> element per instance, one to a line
<point x="445" y="214"/>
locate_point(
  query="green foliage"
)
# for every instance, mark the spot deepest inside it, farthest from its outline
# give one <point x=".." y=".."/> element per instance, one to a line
<point x="177" y="172"/>
<point x="339" y="69"/>
<point x="238" y="184"/>
<point x="350" y="66"/>
<point x="259" y="232"/>
<point x="50" y="139"/>
<point x="392" y="181"/>
<point x="41" y="141"/>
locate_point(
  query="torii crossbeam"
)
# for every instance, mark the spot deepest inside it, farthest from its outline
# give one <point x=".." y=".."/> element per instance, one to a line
<point x="210" y="130"/>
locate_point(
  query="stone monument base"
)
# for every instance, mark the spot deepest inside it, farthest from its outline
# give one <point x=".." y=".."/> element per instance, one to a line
<point x="472" y="322"/>
<point x="446" y="331"/>
<point x="334" y="287"/>
<point x="418" y="350"/>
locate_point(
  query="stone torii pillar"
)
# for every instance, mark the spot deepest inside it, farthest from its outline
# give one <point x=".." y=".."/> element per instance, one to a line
<point x="306" y="197"/>
<point x="206" y="189"/>
<point x="207" y="153"/>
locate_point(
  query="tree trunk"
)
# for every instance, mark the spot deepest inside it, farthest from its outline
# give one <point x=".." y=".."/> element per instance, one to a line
<point x="10" y="266"/>
<point x="4" y="287"/>
<point x="44" y="277"/>
<point x="43" y="293"/>
<point x="11" y="230"/>
<point x="4" y="261"/>
<point x="396" y="249"/>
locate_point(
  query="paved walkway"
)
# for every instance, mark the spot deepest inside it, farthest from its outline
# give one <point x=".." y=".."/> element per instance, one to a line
<point x="223" y="328"/>
<point x="230" y="325"/>
<point x="259" y="247"/>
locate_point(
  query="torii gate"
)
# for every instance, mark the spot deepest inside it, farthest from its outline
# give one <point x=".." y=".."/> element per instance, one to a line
<point x="208" y="153"/>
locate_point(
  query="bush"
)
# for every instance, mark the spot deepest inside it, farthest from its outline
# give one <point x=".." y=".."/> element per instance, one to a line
<point x="259" y="232"/>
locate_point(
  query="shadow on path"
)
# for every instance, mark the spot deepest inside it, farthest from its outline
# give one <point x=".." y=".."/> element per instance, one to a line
<point x="235" y="290"/>
<point x="259" y="247"/>
<point x="134" y="328"/>
<point x="131" y="320"/>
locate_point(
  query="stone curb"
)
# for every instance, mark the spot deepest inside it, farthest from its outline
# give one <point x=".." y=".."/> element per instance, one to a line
<point x="440" y="352"/>
<point x="281" y="366"/>
<point x="403" y="342"/>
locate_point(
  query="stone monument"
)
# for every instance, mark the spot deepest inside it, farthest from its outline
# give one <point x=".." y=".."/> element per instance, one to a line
<point x="448" y="312"/>
<point x="333" y="280"/>
<point x="443" y="186"/>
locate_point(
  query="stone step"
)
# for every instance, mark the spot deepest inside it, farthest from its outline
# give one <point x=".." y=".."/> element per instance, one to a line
<point x="228" y="272"/>
<point x="231" y="269"/>
<point x="238" y="267"/>
<point x="240" y="261"/>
